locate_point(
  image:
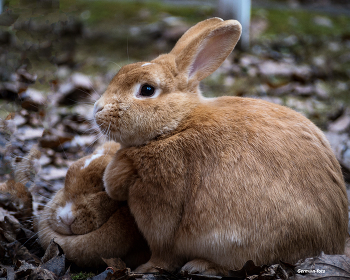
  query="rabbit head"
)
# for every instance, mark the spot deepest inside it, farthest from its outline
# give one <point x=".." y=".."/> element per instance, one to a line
<point x="149" y="99"/>
<point x="85" y="221"/>
<point x="215" y="182"/>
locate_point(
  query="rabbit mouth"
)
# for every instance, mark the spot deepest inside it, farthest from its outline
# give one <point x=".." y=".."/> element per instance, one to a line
<point x="107" y="122"/>
<point x="110" y="128"/>
<point x="60" y="227"/>
<point x="111" y="131"/>
<point x="109" y="117"/>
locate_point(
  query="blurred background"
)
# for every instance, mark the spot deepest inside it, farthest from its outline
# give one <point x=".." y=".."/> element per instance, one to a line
<point x="57" y="57"/>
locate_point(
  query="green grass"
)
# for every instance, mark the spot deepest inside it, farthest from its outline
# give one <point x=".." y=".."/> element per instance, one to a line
<point x="108" y="13"/>
<point x="302" y="22"/>
<point x="128" y="12"/>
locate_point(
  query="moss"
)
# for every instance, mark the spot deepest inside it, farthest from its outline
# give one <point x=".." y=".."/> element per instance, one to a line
<point x="82" y="275"/>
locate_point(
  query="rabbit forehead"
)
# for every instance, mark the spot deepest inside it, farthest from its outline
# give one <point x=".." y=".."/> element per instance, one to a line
<point x="85" y="174"/>
<point x="156" y="74"/>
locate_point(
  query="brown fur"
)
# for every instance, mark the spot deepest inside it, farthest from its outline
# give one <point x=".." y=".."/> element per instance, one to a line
<point x="102" y="227"/>
<point x="21" y="197"/>
<point x="216" y="182"/>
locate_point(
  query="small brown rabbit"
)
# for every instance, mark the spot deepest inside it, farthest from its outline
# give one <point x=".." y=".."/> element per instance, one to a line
<point x="88" y="224"/>
<point x="215" y="182"/>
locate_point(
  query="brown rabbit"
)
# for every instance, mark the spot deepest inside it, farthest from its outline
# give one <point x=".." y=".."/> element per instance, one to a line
<point x="215" y="182"/>
<point x="88" y="224"/>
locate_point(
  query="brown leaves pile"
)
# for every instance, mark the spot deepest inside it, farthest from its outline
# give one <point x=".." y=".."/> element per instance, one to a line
<point x="52" y="266"/>
<point x="322" y="267"/>
<point x="19" y="249"/>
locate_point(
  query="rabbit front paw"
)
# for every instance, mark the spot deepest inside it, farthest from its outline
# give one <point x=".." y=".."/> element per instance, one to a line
<point x="148" y="267"/>
<point x="156" y="265"/>
<point x="118" y="177"/>
<point x="204" y="267"/>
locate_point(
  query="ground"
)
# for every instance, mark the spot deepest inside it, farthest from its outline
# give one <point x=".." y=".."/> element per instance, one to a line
<point x="59" y="58"/>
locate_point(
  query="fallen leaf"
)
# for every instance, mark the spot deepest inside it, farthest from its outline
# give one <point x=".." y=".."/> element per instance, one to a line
<point x="54" y="138"/>
<point x="28" y="133"/>
<point x="42" y="274"/>
<point x="78" y="88"/>
<point x="8" y="229"/>
<point x="66" y="276"/>
<point x="103" y="275"/>
<point x="119" y="274"/>
<point x="7" y="271"/>
<point x="26" y="77"/>
<point x="24" y="269"/>
<point x="248" y="269"/>
<point x="274" y="271"/>
<point x="20" y="253"/>
<point x="56" y="265"/>
<point x="323" y="267"/>
<point x="52" y="173"/>
<point x="32" y="100"/>
<point x="52" y="251"/>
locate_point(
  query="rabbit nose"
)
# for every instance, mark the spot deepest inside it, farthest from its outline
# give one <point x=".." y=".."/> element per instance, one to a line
<point x="97" y="108"/>
<point x="67" y="219"/>
<point x="65" y="215"/>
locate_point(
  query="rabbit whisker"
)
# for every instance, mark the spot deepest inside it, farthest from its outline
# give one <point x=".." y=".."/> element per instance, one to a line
<point x="45" y="205"/>
<point x="34" y="236"/>
<point x="45" y="219"/>
<point x="109" y="147"/>
<point x="95" y="92"/>
<point x="115" y="63"/>
<point x="63" y="150"/>
<point x="43" y="196"/>
<point x="50" y="201"/>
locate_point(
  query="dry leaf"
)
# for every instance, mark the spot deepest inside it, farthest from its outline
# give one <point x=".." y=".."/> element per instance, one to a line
<point x="324" y="267"/>
<point x="248" y="269"/>
<point x="56" y="265"/>
<point x="52" y="251"/>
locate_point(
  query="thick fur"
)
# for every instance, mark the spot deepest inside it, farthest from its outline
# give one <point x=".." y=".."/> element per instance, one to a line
<point x="20" y="197"/>
<point x="215" y="182"/>
<point x="94" y="226"/>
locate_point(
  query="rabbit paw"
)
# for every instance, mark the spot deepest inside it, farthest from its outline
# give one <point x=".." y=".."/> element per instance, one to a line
<point x="152" y="265"/>
<point x="147" y="268"/>
<point x="201" y="266"/>
<point x="118" y="177"/>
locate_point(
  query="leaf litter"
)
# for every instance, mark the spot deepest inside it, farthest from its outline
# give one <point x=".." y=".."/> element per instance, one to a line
<point x="56" y="123"/>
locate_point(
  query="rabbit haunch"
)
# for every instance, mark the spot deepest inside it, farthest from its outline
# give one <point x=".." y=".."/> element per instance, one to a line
<point x="88" y="224"/>
<point x="216" y="182"/>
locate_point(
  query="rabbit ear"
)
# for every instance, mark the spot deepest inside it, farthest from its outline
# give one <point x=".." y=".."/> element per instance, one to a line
<point x="193" y="32"/>
<point x="204" y="47"/>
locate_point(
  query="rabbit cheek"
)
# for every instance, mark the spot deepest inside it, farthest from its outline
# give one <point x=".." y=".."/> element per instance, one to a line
<point x="84" y="223"/>
<point x="103" y="207"/>
<point x="100" y="208"/>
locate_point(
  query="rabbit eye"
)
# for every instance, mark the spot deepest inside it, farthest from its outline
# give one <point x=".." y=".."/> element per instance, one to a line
<point x="147" y="91"/>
